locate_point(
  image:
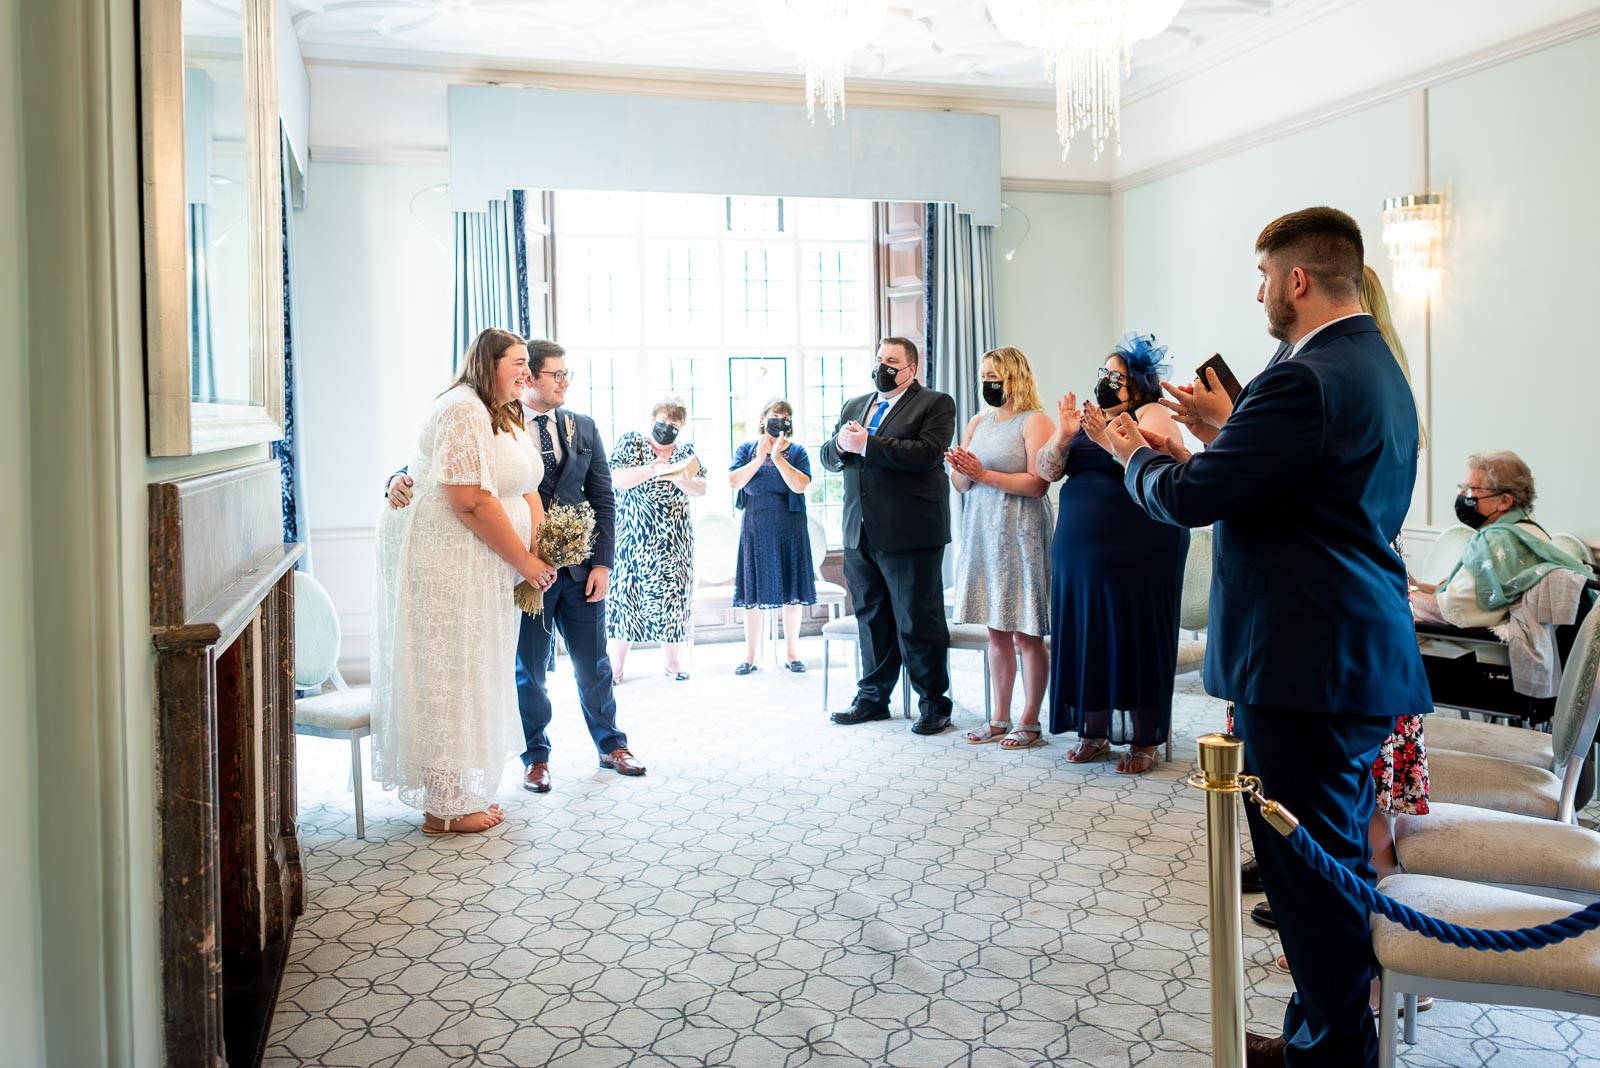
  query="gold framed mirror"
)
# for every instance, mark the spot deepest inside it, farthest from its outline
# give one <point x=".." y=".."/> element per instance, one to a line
<point x="213" y="245"/>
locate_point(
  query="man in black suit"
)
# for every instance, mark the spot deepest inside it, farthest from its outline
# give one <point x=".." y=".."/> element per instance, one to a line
<point x="890" y="445"/>
<point x="575" y="470"/>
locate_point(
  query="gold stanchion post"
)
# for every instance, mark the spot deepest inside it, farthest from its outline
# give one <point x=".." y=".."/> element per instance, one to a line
<point x="1221" y="765"/>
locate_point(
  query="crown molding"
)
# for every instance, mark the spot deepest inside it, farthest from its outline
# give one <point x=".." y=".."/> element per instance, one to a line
<point x="436" y="157"/>
<point x="1227" y="45"/>
<point x="672" y="81"/>
<point x="1484" y="59"/>
<point x="1054" y="185"/>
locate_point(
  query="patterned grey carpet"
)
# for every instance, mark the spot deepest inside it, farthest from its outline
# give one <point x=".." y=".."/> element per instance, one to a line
<point x="782" y="893"/>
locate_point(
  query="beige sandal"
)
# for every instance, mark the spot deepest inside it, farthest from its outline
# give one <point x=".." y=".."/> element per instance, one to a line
<point x="996" y="731"/>
<point x="1017" y="739"/>
<point x="1126" y="766"/>
<point x="448" y="829"/>
<point x="1088" y="750"/>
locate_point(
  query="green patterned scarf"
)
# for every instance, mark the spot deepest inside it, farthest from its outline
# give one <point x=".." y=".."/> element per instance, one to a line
<point x="1506" y="561"/>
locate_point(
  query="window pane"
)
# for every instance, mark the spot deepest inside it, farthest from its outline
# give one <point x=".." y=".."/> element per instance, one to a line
<point x="681" y="298"/>
<point x="760" y="294"/>
<point x="595" y="391"/>
<point x="580" y="212"/>
<point x="598" y="292"/>
<point x="831" y="379"/>
<point x="834" y="280"/>
<point x="683" y="215"/>
<point x="755" y="215"/>
<point x="849" y="220"/>
<point x="752" y="382"/>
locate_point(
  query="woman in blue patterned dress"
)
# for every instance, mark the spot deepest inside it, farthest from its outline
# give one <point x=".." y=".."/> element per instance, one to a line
<point x="775" y="567"/>
<point x="650" y="586"/>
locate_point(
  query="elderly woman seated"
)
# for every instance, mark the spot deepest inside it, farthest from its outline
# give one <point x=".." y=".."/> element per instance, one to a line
<point x="1507" y="556"/>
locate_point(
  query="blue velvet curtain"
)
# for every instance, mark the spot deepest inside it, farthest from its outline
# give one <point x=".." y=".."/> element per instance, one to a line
<point x="491" y="272"/>
<point x="288" y="451"/>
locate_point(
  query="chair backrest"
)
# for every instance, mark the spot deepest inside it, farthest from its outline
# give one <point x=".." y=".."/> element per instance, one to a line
<point x="1577" y="713"/>
<point x="316" y="633"/>
<point x="819" y="543"/>
<point x="1444" y="552"/>
<point x="1573" y="546"/>
<point x="716" y="549"/>
<point x="1195" y="607"/>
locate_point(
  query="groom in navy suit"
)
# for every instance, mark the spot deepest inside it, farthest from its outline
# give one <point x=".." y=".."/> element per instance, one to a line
<point x="1306" y="485"/>
<point x="575" y="470"/>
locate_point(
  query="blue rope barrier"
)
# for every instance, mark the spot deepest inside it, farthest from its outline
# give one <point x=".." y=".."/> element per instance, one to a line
<point x="1546" y="934"/>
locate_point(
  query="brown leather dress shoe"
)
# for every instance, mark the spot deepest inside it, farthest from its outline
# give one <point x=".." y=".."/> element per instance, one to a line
<point x="622" y="762"/>
<point x="1263" y="1052"/>
<point x="537" y="778"/>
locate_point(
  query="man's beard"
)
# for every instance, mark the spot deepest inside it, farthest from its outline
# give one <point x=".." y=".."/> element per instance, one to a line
<point x="1280" y="318"/>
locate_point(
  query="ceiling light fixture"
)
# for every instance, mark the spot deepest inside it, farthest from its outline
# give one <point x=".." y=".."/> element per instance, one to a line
<point x="1088" y="50"/>
<point x="823" y="34"/>
<point x="1411" y="228"/>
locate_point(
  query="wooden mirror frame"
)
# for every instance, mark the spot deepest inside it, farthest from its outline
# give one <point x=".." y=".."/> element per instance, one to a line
<point x="179" y="425"/>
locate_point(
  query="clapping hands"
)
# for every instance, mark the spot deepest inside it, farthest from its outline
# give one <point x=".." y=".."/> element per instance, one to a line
<point x="852" y="437"/>
<point x="1068" y="417"/>
<point x="966" y="463"/>
<point x="1203" y="410"/>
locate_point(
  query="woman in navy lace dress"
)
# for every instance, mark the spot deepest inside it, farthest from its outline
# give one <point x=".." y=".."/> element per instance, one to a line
<point x="770" y="475"/>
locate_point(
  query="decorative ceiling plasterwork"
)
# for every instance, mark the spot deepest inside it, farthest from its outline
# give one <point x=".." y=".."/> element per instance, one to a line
<point x="923" y="42"/>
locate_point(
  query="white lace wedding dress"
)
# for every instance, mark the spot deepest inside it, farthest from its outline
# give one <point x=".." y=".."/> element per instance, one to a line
<point x="444" y="695"/>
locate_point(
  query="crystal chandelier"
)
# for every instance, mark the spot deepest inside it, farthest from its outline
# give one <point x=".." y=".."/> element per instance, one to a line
<point x="1088" y="50"/>
<point x="1411" y="227"/>
<point x="823" y="34"/>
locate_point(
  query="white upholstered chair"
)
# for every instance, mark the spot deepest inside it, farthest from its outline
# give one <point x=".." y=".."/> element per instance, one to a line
<point x="343" y="713"/>
<point x="1545" y="790"/>
<point x="844" y="630"/>
<point x="1194" y="610"/>
<point x="1563" y="978"/>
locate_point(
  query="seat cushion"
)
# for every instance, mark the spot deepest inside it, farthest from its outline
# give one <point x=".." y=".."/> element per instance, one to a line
<point x="842" y="629"/>
<point x="1487" y="782"/>
<point x="1572" y="965"/>
<point x="338" y="710"/>
<point x="969" y="636"/>
<point x="829" y="592"/>
<point x="1482" y="846"/>
<point x="713" y="597"/>
<point x="1441" y="731"/>
<point x="1190" y="654"/>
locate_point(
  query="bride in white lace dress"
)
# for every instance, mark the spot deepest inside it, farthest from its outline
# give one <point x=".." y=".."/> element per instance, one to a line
<point x="444" y="717"/>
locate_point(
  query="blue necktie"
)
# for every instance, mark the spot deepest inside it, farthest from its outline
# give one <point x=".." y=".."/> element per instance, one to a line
<point x="877" y="417"/>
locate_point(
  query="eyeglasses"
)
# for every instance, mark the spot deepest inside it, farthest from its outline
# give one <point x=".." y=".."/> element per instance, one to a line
<point x="1474" y="492"/>
<point x="1116" y="378"/>
<point x="559" y="376"/>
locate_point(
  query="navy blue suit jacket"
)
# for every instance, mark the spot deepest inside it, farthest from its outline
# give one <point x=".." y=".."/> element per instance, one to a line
<point x="1306" y="486"/>
<point x="584" y="475"/>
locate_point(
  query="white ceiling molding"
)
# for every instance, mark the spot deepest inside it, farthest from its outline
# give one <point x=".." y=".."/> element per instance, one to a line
<point x="438" y="157"/>
<point x="1547" y="37"/>
<point x="674" y="81"/>
<point x="1053" y="185"/>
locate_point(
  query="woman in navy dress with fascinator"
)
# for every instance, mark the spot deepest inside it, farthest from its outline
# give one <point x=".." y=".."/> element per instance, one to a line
<point x="1116" y="574"/>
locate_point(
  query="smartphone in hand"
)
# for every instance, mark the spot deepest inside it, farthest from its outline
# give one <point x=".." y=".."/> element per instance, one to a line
<point x="1230" y="384"/>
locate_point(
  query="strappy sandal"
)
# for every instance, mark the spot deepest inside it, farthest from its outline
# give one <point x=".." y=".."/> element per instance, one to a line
<point x="1127" y="765"/>
<point x="448" y="829"/>
<point x="1088" y="750"/>
<point x="996" y="731"/>
<point x="1017" y="739"/>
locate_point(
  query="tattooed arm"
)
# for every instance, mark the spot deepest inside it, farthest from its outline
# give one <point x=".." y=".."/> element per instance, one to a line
<point x="1051" y="462"/>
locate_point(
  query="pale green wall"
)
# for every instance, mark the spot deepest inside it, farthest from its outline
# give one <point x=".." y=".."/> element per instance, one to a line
<point x="1053" y="299"/>
<point x="1516" y="150"/>
<point x="1189" y="265"/>
<point x="21" y="1002"/>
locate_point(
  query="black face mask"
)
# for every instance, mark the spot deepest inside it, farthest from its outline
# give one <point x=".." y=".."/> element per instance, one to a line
<point x="779" y="426"/>
<point x="1105" y="394"/>
<point x="883" y="377"/>
<point x="665" y="433"/>
<point x="1467" y="511"/>
<point x="994" y="394"/>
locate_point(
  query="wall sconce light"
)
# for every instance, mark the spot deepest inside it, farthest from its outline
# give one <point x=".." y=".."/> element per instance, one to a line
<point x="1412" y="226"/>
<point x="1027" y="224"/>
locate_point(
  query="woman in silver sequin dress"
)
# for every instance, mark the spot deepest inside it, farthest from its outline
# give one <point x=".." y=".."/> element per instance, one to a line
<point x="1002" y="576"/>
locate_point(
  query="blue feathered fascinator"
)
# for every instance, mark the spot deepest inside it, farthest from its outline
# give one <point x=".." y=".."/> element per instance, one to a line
<point x="1146" y="360"/>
